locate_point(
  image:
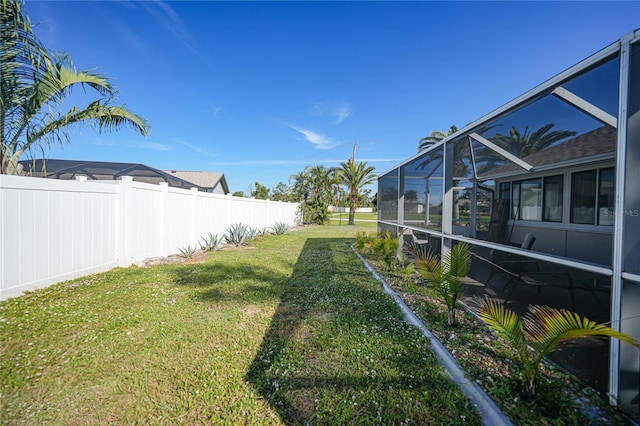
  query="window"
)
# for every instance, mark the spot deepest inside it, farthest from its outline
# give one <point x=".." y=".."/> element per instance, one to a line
<point x="592" y="197"/>
<point x="606" y="195"/>
<point x="553" y="198"/>
<point x="505" y="191"/>
<point x="530" y="199"/>
<point x="414" y="200"/>
<point x="515" y="206"/>
<point x="583" y="197"/>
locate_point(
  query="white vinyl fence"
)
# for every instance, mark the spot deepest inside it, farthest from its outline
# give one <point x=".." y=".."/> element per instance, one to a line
<point x="55" y="230"/>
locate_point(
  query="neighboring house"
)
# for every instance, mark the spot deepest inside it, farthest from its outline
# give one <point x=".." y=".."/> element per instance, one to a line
<point x="552" y="223"/>
<point x="211" y="181"/>
<point x="103" y="170"/>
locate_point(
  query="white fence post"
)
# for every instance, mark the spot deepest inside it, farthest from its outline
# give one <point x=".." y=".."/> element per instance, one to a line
<point x="164" y="188"/>
<point x="123" y="241"/>
<point x="194" y="206"/>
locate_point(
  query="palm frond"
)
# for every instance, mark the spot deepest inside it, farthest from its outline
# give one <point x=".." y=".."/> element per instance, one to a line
<point x="547" y="328"/>
<point x="503" y="321"/>
<point x="106" y="117"/>
<point x="458" y="260"/>
<point x="430" y="266"/>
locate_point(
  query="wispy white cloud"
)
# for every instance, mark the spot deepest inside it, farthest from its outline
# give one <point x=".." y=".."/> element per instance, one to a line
<point x="101" y="142"/>
<point x="318" y="140"/>
<point x="152" y="146"/>
<point x="164" y="14"/>
<point x="336" y="109"/>
<point x="276" y="162"/>
<point x="130" y="38"/>
<point x="196" y="148"/>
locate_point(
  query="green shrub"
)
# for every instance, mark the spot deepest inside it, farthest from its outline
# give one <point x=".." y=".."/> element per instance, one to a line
<point x="317" y="213"/>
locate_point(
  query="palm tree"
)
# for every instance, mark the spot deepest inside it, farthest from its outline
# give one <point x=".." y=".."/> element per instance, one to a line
<point x="33" y="87"/>
<point x="355" y="176"/>
<point x="300" y="186"/>
<point x="435" y="137"/>
<point x="527" y="143"/>
<point x="540" y="332"/>
<point x="445" y="274"/>
<point x="314" y="188"/>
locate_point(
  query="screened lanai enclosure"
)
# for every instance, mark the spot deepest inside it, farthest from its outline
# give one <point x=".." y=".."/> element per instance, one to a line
<point x="546" y="189"/>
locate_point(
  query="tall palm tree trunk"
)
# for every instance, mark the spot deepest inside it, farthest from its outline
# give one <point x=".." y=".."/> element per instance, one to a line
<point x="352" y="215"/>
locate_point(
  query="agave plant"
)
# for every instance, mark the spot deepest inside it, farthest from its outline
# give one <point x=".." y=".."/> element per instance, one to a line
<point x="280" y="228"/>
<point x="252" y="233"/>
<point x="188" y="251"/>
<point x="237" y="234"/>
<point x="210" y="242"/>
<point x="540" y="332"/>
<point x="445" y="274"/>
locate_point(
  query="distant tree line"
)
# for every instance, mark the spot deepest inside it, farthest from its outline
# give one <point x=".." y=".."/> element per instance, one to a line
<point x="318" y="187"/>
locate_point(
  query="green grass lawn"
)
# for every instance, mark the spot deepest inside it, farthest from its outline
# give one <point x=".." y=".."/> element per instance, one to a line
<point x="362" y="219"/>
<point x="293" y="330"/>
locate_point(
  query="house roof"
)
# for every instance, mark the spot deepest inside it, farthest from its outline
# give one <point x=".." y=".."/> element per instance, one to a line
<point x="596" y="143"/>
<point x="209" y="180"/>
<point x="101" y="170"/>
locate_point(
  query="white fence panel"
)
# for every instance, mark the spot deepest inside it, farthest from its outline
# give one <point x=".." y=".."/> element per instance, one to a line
<point x="53" y="230"/>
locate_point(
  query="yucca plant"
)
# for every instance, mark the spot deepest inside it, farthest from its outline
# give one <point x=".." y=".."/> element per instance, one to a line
<point x="539" y="332"/>
<point x="188" y="251"/>
<point x="444" y="274"/>
<point x="237" y="234"/>
<point x="280" y="228"/>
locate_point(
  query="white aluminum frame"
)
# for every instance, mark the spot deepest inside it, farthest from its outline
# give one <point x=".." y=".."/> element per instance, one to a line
<point x="621" y="48"/>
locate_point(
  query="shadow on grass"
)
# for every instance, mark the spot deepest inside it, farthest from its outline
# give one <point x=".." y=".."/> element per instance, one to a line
<point x="338" y="350"/>
<point x="225" y="281"/>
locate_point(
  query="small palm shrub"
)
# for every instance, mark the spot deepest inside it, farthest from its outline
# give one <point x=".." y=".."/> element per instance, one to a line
<point x="280" y="228"/>
<point x="364" y="241"/>
<point x="539" y="332"/>
<point x="419" y="250"/>
<point x="237" y="234"/>
<point x="386" y="248"/>
<point x="444" y="274"/>
<point x="210" y="242"/>
<point x="188" y="251"/>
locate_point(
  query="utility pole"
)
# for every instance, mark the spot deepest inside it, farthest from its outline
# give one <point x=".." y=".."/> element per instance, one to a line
<point x="355" y="148"/>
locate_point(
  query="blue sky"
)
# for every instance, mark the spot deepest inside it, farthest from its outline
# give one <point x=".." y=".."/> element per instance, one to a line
<point x="260" y="90"/>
